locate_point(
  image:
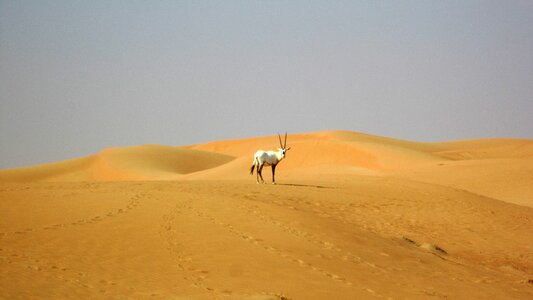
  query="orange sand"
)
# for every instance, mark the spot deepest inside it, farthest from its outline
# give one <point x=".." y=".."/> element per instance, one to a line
<point x="353" y="216"/>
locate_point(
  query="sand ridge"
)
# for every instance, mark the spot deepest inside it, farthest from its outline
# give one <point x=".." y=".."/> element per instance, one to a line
<point x="147" y="162"/>
<point x="353" y="216"/>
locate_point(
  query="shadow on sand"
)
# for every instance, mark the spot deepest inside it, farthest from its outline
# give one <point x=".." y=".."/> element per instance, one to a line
<point x="306" y="185"/>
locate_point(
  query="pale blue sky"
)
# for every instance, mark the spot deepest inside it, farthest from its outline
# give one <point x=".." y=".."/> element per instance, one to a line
<point x="79" y="76"/>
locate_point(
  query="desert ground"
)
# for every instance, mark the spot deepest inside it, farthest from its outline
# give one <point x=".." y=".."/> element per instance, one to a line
<point x="353" y="216"/>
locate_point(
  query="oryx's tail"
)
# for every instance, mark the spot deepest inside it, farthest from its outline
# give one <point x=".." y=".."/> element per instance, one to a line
<point x="252" y="169"/>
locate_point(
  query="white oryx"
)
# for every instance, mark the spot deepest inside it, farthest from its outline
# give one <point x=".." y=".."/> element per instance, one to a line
<point x="269" y="158"/>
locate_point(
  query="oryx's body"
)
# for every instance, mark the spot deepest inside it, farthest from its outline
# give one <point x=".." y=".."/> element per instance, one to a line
<point x="269" y="159"/>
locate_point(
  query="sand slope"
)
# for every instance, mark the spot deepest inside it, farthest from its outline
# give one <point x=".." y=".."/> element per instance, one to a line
<point x="353" y="216"/>
<point x="148" y="162"/>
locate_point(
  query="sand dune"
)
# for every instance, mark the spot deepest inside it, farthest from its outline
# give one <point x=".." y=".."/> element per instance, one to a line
<point x="486" y="149"/>
<point x="354" y="216"/>
<point x="504" y="179"/>
<point x="148" y="162"/>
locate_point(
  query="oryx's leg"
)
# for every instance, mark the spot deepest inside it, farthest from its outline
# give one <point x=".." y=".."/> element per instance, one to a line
<point x="273" y="174"/>
<point x="260" y="172"/>
<point x="256" y="165"/>
<point x="257" y="173"/>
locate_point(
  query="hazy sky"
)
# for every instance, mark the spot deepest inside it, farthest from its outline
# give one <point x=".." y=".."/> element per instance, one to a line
<point x="79" y="76"/>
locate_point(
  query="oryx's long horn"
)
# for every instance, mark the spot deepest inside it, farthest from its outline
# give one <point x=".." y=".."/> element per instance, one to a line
<point x="285" y="145"/>
<point x="280" y="144"/>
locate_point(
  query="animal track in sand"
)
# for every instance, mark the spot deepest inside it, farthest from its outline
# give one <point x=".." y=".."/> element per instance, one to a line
<point x="196" y="276"/>
<point x="346" y="213"/>
<point x="54" y="269"/>
<point x="49" y="269"/>
<point x="133" y="203"/>
<point x="342" y="254"/>
<point x="184" y="262"/>
<point x="261" y="243"/>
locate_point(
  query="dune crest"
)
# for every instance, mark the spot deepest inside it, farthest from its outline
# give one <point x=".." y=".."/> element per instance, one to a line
<point x="147" y="162"/>
<point x="496" y="168"/>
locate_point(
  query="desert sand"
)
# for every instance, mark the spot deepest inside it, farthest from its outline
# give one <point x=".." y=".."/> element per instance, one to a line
<point x="353" y="216"/>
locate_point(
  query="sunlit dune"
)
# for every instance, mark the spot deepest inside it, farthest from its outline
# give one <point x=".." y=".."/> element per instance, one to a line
<point x="353" y="216"/>
<point x="149" y="162"/>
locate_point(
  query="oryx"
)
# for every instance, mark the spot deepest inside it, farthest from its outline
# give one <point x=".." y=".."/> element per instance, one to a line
<point x="269" y="158"/>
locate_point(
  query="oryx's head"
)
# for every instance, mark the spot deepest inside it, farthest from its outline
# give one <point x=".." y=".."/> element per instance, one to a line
<point x="283" y="146"/>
